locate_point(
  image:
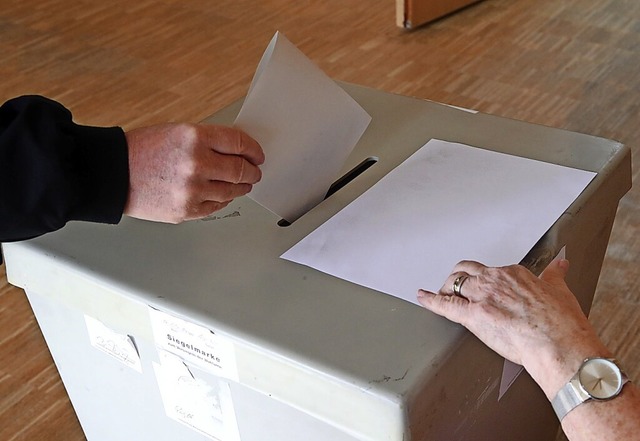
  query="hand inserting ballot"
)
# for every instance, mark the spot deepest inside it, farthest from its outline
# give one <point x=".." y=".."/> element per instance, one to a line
<point x="180" y="172"/>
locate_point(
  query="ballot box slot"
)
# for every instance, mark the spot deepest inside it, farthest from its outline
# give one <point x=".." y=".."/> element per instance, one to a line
<point x="342" y="181"/>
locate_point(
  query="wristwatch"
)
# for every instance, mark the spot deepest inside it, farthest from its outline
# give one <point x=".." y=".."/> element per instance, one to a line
<point x="597" y="379"/>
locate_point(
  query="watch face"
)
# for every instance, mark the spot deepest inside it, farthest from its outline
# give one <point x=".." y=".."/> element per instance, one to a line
<point x="600" y="378"/>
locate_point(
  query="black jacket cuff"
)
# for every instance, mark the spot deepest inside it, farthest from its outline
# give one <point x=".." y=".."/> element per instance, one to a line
<point x="106" y="162"/>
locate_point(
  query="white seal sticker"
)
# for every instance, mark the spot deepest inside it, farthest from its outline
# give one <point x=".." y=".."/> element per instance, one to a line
<point x="119" y="346"/>
<point x="203" y="406"/>
<point x="194" y="344"/>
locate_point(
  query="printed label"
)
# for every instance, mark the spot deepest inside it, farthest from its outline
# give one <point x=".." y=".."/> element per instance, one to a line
<point x="194" y="344"/>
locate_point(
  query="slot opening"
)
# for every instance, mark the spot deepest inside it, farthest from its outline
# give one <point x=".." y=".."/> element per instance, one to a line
<point x="342" y="181"/>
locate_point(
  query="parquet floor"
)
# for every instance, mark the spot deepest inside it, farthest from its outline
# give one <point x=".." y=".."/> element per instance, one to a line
<point x="573" y="64"/>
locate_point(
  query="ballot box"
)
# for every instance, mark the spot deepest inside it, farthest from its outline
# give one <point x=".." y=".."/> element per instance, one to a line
<point x="201" y="331"/>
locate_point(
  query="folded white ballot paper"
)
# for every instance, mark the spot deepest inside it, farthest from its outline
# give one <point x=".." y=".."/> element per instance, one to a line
<point x="306" y="124"/>
<point x="447" y="202"/>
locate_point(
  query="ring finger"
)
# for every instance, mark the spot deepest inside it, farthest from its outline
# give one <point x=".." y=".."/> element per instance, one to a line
<point x="469" y="267"/>
<point x="465" y="286"/>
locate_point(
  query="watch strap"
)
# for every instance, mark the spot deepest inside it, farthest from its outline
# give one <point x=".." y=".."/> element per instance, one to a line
<point x="567" y="399"/>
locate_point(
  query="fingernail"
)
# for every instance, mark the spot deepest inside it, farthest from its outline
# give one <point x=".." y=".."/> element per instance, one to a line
<point x="564" y="264"/>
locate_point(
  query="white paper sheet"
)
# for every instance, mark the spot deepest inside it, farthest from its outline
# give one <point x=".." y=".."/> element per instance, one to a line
<point x="306" y="124"/>
<point x="446" y="203"/>
<point x="510" y="373"/>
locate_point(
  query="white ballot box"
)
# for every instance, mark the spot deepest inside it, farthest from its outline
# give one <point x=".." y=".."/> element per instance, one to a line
<point x="201" y="331"/>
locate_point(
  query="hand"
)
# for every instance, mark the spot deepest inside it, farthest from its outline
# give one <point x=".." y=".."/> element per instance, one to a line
<point x="180" y="172"/>
<point x="535" y="322"/>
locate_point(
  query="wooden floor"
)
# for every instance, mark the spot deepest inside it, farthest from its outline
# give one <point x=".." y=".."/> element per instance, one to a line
<point x="573" y="64"/>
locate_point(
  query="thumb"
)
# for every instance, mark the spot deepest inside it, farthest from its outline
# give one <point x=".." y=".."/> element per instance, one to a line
<point x="556" y="272"/>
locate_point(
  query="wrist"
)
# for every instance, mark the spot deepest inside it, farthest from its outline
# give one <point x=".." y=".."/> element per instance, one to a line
<point x="553" y="368"/>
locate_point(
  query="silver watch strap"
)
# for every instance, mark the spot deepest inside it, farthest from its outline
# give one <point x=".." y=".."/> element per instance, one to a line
<point x="566" y="400"/>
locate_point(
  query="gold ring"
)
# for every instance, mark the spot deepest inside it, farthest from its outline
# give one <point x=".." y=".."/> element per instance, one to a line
<point x="457" y="285"/>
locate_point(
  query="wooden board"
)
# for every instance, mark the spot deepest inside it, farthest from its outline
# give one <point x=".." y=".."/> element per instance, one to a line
<point x="413" y="13"/>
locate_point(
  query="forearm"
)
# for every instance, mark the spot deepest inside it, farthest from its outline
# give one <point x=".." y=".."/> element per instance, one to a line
<point x="613" y="420"/>
<point x="616" y="419"/>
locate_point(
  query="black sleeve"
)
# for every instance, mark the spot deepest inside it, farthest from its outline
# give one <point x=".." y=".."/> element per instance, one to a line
<point x="53" y="170"/>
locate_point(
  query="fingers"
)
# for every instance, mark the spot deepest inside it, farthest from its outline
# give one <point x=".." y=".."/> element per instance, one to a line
<point x="231" y="168"/>
<point x="472" y="281"/>
<point x="232" y="155"/>
<point x="225" y="167"/>
<point x="218" y="191"/>
<point x="453" y="299"/>
<point x="231" y="141"/>
<point x="461" y="282"/>
<point x="469" y="267"/>
<point x="207" y="199"/>
<point x="205" y="209"/>
<point x="451" y="307"/>
<point x="454" y="284"/>
<point x="556" y="271"/>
